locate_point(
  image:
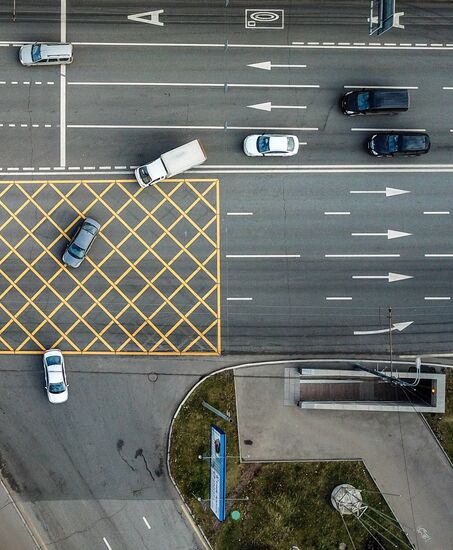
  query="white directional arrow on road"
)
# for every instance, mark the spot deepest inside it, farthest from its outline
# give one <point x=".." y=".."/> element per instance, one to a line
<point x="267" y="106"/>
<point x="390" y="234"/>
<point x="389" y="192"/>
<point x="396" y="326"/>
<point x="150" y="17"/>
<point x="391" y="277"/>
<point x="267" y="66"/>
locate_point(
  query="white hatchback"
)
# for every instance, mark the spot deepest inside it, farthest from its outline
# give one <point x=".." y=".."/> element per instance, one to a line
<point x="55" y="376"/>
<point x="271" y="145"/>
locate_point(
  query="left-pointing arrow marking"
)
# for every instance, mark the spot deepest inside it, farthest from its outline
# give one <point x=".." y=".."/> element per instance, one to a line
<point x="267" y="66"/>
<point x="150" y="17"/>
<point x="391" y="277"/>
<point x="267" y="106"/>
<point x="390" y="234"/>
<point x="396" y="326"/>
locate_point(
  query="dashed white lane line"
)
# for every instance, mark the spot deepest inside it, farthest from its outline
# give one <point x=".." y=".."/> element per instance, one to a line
<point x="239" y="213"/>
<point x="361" y="255"/>
<point x="389" y="130"/>
<point x="382" y="87"/>
<point x="437" y="298"/>
<point x="236" y="299"/>
<point x="341" y="298"/>
<point x="438" y="255"/>
<point x="24" y="83"/>
<point x="441" y="213"/>
<point x="146" y="522"/>
<point x="106" y="542"/>
<point x="337" y="213"/>
<point x="265" y="256"/>
<point x="25" y="125"/>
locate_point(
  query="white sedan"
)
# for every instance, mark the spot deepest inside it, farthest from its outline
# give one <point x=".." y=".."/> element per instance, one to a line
<point x="55" y="376"/>
<point x="271" y="145"/>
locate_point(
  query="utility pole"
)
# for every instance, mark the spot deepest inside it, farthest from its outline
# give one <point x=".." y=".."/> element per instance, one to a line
<point x="390" y="341"/>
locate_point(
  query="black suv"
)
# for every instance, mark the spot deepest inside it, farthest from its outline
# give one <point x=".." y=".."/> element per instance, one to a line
<point x="375" y="102"/>
<point x="398" y="143"/>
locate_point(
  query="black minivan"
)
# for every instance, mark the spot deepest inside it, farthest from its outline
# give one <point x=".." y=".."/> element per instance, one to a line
<point x="375" y="101"/>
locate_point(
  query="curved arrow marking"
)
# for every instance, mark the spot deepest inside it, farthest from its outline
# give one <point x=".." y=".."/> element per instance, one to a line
<point x="396" y="326"/>
<point x="150" y="17"/>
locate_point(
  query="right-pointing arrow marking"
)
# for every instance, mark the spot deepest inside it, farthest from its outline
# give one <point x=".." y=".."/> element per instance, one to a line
<point x="396" y="326"/>
<point x="390" y="234"/>
<point x="389" y="192"/>
<point x="391" y="277"/>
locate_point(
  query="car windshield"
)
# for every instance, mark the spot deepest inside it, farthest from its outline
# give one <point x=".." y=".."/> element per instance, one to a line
<point x="363" y="101"/>
<point x="262" y="144"/>
<point x="144" y="174"/>
<point x="53" y="360"/>
<point x="36" y="52"/>
<point x="87" y="226"/>
<point x="392" y="144"/>
<point x="57" y="388"/>
<point x="76" y="251"/>
<point x="291" y="144"/>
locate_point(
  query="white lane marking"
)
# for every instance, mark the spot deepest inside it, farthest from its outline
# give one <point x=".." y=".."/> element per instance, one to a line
<point x="146" y="522"/>
<point x="44" y="168"/>
<point x="390" y="234"/>
<point x="338" y="297"/>
<point x="389" y="192"/>
<point x="383" y="87"/>
<point x="105" y="167"/>
<point x="391" y="277"/>
<point x="361" y="255"/>
<point x="437" y="298"/>
<point x="267" y="106"/>
<point x="389" y="43"/>
<point x="14" y="82"/>
<point x="440" y="213"/>
<point x="11" y="125"/>
<point x="13" y="168"/>
<point x="337" y="213"/>
<point x="438" y="255"/>
<point x="239" y="213"/>
<point x="107" y="543"/>
<point x="153" y="18"/>
<point x="388" y="130"/>
<point x="239" y="299"/>
<point x="254" y="256"/>
<point x="89" y="168"/>
<point x="443" y="87"/>
<point x="120" y="167"/>
<point x="172" y="127"/>
<point x="73" y="167"/>
<point x="268" y="65"/>
<point x="222" y="85"/>
<point x="28" y="168"/>
<point x="63" y="114"/>
<point x="396" y="326"/>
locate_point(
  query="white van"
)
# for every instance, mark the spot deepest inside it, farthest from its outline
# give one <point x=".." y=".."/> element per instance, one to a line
<point x="43" y="53"/>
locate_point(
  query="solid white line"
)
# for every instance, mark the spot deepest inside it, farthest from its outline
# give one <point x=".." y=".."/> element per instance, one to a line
<point x="174" y="127"/>
<point x="437" y="213"/>
<point x="106" y="543"/>
<point x="438" y="255"/>
<point x="383" y="87"/>
<point x="338" y="297"/>
<point x="337" y="213"/>
<point x="325" y="165"/>
<point x="239" y="299"/>
<point x="63" y="115"/>
<point x="388" y="130"/>
<point x="239" y="213"/>
<point x="437" y="298"/>
<point x="443" y="88"/>
<point x="146" y="522"/>
<point x="222" y="85"/>
<point x="262" y="255"/>
<point x="361" y="255"/>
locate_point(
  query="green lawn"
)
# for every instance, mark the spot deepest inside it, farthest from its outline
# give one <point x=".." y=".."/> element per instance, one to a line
<point x="289" y="503"/>
<point x="442" y="424"/>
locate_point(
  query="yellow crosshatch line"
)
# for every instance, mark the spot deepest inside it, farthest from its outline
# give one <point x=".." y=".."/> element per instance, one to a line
<point x="200" y="334"/>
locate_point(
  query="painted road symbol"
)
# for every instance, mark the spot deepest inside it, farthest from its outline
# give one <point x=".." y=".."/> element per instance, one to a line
<point x="264" y="19"/>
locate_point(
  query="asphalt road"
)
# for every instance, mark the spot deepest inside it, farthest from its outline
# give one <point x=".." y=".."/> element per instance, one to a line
<point x="136" y="90"/>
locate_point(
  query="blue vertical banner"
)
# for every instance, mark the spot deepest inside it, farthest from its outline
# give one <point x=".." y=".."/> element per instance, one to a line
<point x="218" y="472"/>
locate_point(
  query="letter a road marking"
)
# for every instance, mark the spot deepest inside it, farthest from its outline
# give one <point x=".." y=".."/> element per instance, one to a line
<point x="151" y="17"/>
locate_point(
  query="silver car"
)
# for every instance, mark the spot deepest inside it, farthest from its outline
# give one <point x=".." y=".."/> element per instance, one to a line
<point x="55" y="376"/>
<point x="42" y="53"/>
<point x="80" y="244"/>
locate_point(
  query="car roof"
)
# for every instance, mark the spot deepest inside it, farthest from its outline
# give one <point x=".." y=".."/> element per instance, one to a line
<point x="278" y="143"/>
<point x="84" y="236"/>
<point x="414" y="142"/>
<point x="55" y="49"/>
<point x="390" y="98"/>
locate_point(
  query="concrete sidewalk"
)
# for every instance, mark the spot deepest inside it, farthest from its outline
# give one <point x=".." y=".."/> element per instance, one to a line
<point x="398" y="449"/>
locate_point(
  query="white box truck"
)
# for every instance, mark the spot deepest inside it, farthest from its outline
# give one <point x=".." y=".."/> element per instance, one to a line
<point x="171" y="163"/>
